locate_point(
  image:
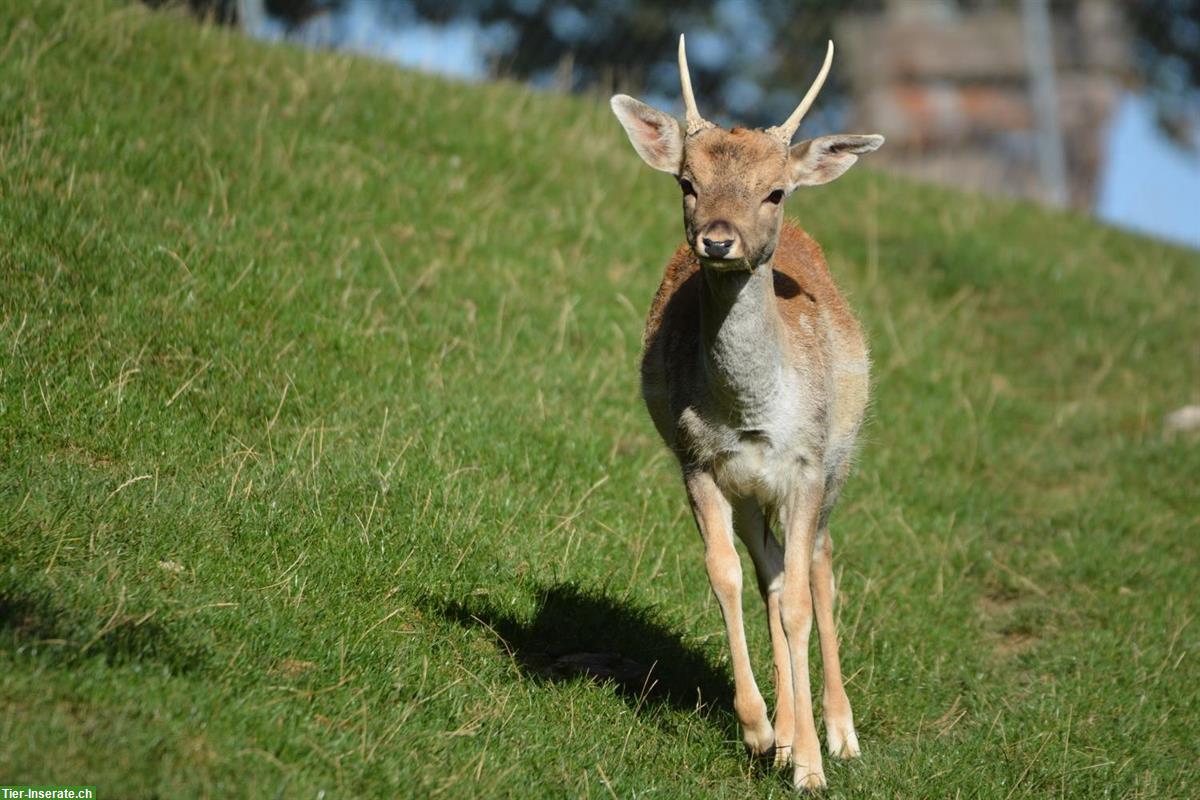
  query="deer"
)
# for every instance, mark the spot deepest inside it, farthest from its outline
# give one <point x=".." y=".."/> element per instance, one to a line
<point x="755" y="373"/>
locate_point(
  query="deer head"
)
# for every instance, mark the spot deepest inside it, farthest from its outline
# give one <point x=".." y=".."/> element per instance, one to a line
<point x="734" y="181"/>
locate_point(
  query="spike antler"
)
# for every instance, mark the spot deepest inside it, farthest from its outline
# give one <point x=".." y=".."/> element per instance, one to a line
<point x="695" y="122"/>
<point x="788" y="129"/>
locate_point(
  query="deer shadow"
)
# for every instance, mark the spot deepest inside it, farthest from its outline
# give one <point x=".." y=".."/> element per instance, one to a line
<point x="586" y="635"/>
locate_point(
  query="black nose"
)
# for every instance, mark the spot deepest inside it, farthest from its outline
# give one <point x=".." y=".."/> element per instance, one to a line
<point x="717" y="248"/>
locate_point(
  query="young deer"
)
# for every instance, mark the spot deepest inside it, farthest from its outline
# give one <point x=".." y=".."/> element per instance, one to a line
<point x="755" y="374"/>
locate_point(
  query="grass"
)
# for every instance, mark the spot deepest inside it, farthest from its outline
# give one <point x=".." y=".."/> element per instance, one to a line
<point x="325" y="473"/>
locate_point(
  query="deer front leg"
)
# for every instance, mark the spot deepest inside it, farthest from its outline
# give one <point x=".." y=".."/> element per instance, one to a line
<point x="753" y="530"/>
<point x="799" y="517"/>
<point x="840" y="737"/>
<point x="714" y="518"/>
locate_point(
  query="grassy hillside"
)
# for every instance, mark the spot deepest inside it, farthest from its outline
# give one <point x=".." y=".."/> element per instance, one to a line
<point x="323" y="457"/>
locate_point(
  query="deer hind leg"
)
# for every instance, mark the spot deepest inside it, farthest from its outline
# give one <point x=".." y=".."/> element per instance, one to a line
<point x="840" y="737"/>
<point x="714" y="518"/>
<point x="764" y="549"/>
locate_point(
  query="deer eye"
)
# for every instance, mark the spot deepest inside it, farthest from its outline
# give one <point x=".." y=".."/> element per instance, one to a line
<point x="775" y="197"/>
<point x="687" y="187"/>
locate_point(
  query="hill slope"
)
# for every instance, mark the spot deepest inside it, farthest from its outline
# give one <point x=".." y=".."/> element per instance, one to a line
<point x="324" y="460"/>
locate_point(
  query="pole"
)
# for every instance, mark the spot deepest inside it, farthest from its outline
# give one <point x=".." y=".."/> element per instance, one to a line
<point x="1039" y="59"/>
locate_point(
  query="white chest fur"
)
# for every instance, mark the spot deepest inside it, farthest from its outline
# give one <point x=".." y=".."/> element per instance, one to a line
<point x="762" y="457"/>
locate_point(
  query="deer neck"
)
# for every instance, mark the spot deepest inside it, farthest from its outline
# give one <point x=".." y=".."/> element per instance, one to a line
<point x="744" y="342"/>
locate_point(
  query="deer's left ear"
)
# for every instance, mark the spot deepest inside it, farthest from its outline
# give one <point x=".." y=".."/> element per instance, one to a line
<point x="820" y="160"/>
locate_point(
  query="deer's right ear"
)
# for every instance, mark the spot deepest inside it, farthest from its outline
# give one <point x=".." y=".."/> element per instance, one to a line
<point x="657" y="137"/>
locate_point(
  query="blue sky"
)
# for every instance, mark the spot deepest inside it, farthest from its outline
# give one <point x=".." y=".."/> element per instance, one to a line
<point x="1149" y="183"/>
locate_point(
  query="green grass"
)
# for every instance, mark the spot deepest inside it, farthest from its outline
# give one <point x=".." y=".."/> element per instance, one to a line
<point x="322" y="446"/>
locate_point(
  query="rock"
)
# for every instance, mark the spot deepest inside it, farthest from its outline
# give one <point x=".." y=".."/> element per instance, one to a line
<point x="1182" y="419"/>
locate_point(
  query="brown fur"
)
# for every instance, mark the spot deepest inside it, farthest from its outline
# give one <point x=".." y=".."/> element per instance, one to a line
<point x="812" y="309"/>
<point x="803" y="285"/>
<point x="755" y="373"/>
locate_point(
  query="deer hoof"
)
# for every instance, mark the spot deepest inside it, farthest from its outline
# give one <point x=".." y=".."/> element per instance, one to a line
<point x="760" y="740"/>
<point x="808" y="779"/>
<point x="842" y="741"/>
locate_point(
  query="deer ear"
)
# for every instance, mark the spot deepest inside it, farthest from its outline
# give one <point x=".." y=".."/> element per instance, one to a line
<point x="820" y="160"/>
<point x="657" y="136"/>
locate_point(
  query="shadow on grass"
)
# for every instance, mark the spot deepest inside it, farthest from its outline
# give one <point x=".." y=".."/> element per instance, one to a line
<point x="33" y="624"/>
<point x="577" y="634"/>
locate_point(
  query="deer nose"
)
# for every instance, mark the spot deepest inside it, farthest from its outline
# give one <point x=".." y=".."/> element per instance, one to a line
<point x="717" y="248"/>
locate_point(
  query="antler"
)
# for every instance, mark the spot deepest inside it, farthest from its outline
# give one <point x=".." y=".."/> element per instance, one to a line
<point x="695" y="122"/>
<point x="788" y="129"/>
